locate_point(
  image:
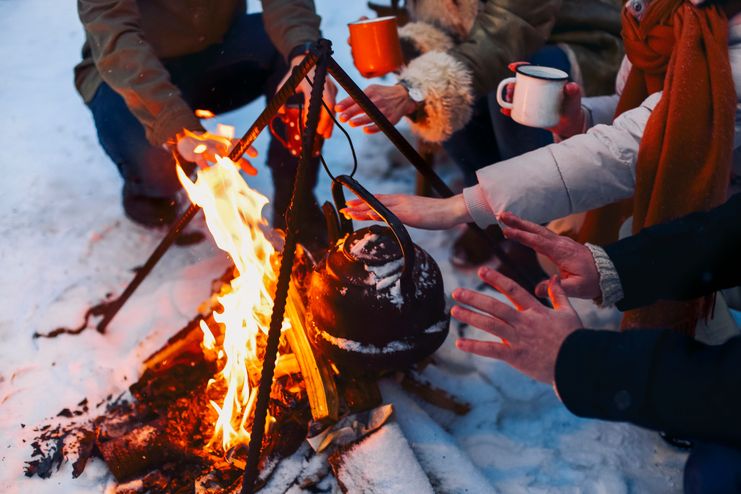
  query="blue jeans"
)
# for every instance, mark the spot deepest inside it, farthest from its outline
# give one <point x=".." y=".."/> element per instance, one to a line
<point x="491" y="137"/>
<point x="712" y="469"/>
<point x="221" y="78"/>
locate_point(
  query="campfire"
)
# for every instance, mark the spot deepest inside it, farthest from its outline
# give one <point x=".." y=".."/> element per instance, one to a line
<point x="187" y="423"/>
<point x="193" y="421"/>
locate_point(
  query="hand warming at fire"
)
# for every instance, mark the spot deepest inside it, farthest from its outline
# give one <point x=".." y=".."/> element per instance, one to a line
<point x="531" y="333"/>
<point x="415" y="211"/>
<point x="577" y="270"/>
<point x="202" y="148"/>
<point x="324" y="128"/>
<point x="393" y="101"/>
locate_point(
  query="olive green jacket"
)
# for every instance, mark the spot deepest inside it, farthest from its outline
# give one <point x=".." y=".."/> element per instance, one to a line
<point x="127" y="39"/>
<point x="464" y="47"/>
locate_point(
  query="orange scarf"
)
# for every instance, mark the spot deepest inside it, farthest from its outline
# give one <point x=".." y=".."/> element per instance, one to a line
<point x="684" y="159"/>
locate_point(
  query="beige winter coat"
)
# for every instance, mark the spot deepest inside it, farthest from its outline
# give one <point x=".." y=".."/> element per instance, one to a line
<point x="126" y="39"/>
<point x="466" y="45"/>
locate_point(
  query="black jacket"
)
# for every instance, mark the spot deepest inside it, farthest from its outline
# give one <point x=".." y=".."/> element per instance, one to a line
<point x="661" y="379"/>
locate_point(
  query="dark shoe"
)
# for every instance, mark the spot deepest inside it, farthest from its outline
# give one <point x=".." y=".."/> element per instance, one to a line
<point x="472" y="249"/>
<point x="150" y="211"/>
<point x="677" y="442"/>
<point x="520" y="263"/>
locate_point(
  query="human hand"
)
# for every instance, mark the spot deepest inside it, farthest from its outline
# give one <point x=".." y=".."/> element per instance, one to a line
<point x="416" y="211"/>
<point x="573" y="117"/>
<point x="393" y="101"/>
<point x="576" y="268"/>
<point x="509" y="89"/>
<point x="531" y="333"/>
<point x="202" y="148"/>
<point x="324" y="128"/>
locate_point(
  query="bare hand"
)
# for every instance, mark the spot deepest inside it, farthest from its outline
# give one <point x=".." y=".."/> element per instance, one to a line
<point x="578" y="273"/>
<point x="393" y="101"/>
<point x="531" y="333"/>
<point x="572" y="120"/>
<point x="202" y="148"/>
<point x="416" y="211"/>
<point x="324" y="128"/>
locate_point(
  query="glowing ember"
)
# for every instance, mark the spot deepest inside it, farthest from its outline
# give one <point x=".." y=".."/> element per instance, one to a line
<point x="234" y="216"/>
<point x="199" y="149"/>
<point x="205" y="114"/>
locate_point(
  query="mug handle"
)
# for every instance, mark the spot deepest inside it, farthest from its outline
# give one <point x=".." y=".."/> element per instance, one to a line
<point x="275" y="134"/>
<point x="502" y="85"/>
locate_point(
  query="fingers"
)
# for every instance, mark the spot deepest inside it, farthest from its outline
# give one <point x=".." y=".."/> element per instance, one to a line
<point x="371" y="129"/>
<point x="360" y="214"/>
<point x="515" y="221"/>
<point x="347" y="112"/>
<point x="489" y="349"/>
<point x="510" y="289"/>
<point x="247" y="167"/>
<point x="324" y="127"/>
<point x="557" y="294"/>
<point x="513" y="66"/>
<point x="326" y="124"/>
<point x="572" y="89"/>
<point x="541" y="289"/>
<point x="345" y="103"/>
<point x="486" y="304"/>
<point x="534" y="236"/>
<point x="360" y="121"/>
<point x="483" y="322"/>
<point x="252" y="152"/>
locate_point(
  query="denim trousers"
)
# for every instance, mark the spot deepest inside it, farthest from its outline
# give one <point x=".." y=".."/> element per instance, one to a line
<point x="221" y="78"/>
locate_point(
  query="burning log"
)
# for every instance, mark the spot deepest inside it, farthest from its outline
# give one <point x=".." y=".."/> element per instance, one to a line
<point x="317" y="374"/>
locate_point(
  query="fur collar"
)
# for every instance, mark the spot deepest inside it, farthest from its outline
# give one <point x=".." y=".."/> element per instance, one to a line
<point x="455" y="16"/>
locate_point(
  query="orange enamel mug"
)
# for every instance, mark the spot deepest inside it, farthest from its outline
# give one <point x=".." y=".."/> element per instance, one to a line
<point x="375" y="45"/>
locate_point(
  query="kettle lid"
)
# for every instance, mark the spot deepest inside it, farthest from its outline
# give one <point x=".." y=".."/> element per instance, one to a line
<point x="372" y="246"/>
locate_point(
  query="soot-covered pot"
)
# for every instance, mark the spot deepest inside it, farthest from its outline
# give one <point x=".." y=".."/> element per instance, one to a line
<point x="376" y="301"/>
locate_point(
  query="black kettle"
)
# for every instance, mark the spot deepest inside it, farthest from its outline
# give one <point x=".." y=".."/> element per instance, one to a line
<point x="376" y="300"/>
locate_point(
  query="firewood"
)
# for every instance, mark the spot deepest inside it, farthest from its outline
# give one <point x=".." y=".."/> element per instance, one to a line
<point x="318" y="377"/>
<point x="142" y="450"/>
<point x="412" y="383"/>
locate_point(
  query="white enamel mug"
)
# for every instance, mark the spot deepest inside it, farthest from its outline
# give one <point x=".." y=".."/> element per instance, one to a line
<point x="538" y="95"/>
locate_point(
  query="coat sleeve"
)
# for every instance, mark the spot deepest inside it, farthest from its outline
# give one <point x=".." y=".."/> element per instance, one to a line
<point x="686" y="258"/>
<point x="129" y="65"/>
<point x="578" y="174"/>
<point x="504" y="31"/>
<point x="657" y="379"/>
<point x="290" y="23"/>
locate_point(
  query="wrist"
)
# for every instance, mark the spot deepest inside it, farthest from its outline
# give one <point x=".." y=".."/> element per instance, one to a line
<point x="458" y="210"/>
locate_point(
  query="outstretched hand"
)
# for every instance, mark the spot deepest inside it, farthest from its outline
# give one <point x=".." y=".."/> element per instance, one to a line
<point x="576" y="268"/>
<point x="393" y="101"/>
<point x="202" y="148"/>
<point x="531" y="334"/>
<point x="415" y="211"/>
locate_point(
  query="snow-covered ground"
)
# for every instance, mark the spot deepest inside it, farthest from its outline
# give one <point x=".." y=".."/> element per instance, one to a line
<point x="65" y="244"/>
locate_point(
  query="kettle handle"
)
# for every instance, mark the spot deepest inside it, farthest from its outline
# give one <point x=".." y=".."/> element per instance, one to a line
<point x="396" y="226"/>
<point x="338" y="196"/>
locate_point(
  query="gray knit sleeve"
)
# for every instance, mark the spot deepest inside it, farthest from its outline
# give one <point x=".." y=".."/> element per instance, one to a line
<point x="609" y="281"/>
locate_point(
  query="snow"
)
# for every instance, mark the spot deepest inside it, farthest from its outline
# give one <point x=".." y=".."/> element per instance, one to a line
<point x="66" y="244"/>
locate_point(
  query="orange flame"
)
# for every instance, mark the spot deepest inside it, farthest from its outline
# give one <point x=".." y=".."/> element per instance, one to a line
<point x="234" y="216"/>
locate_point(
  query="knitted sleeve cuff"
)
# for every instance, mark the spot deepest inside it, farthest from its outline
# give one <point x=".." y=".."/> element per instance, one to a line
<point x="609" y="280"/>
<point x="478" y="207"/>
